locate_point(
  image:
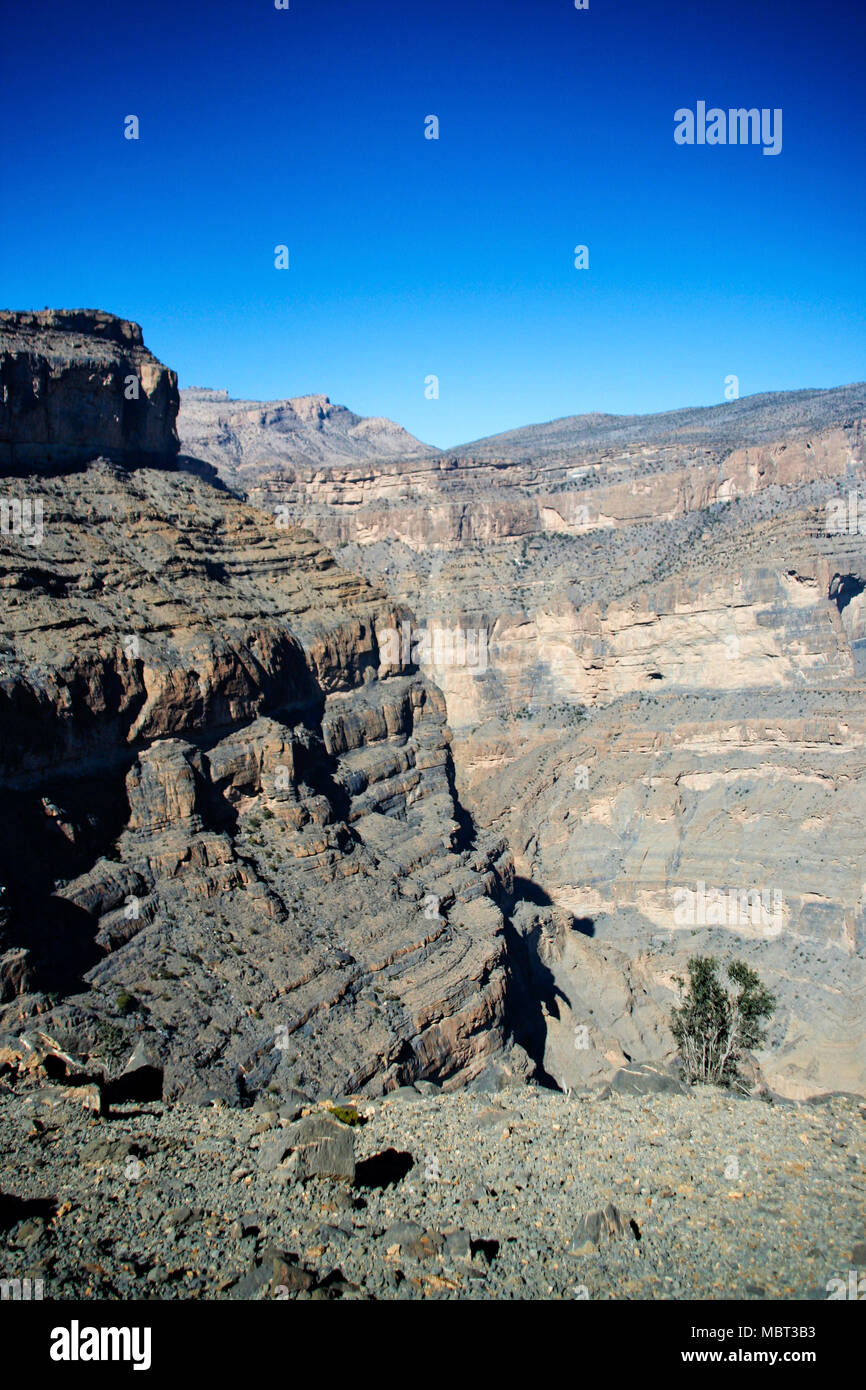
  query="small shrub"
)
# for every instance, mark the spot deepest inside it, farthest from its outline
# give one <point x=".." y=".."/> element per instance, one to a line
<point x="346" y="1114"/>
<point x="111" y="1041"/>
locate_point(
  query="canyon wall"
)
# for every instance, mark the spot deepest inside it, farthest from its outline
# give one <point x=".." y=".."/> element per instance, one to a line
<point x="668" y="713"/>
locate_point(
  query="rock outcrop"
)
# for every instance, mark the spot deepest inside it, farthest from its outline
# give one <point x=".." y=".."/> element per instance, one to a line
<point x="76" y="383"/>
<point x="254" y="826"/>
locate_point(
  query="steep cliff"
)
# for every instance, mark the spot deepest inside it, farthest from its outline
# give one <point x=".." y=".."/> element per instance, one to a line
<point x="76" y="383"/>
<point x="230" y="834"/>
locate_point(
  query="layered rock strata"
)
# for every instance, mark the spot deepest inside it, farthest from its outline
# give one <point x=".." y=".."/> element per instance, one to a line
<point x="231" y="834"/>
<point x="76" y="383"/>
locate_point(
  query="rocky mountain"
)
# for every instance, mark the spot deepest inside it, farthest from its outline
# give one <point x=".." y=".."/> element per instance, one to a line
<point x="232" y="847"/>
<point x="248" y="440"/>
<point x="652" y="661"/>
<point x="342" y="905"/>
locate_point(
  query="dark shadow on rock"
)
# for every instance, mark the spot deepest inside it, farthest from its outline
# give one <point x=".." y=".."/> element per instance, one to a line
<point x="844" y="587"/>
<point x="186" y="463"/>
<point x="63" y="945"/>
<point x="144" y="1084"/>
<point x="466" y="834"/>
<point x="584" y="925"/>
<point x="41" y="847"/>
<point x="533" y="993"/>
<point x="527" y="891"/>
<point x="14" y="1209"/>
<point x="56" y="1069"/>
<point x="317" y="768"/>
<point x="532" y="989"/>
<point x="52" y="460"/>
<point x="384" y="1169"/>
<point x="215" y="571"/>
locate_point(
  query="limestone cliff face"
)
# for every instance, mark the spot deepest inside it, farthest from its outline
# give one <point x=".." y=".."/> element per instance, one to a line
<point x="232" y="822"/>
<point x="461" y="500"/>
<point x="76" y="383"/>
<point x="230" y="831"/>
<point x="637" y="823"/>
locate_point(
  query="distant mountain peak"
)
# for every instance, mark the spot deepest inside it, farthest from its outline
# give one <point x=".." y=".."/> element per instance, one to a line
<point x="248" y="441"/>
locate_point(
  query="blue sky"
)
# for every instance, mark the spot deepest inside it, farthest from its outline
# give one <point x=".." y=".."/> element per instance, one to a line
<point x="411" y="257"/>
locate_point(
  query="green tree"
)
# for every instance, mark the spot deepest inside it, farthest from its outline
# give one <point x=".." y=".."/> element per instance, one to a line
<point x="714" y="1026"/>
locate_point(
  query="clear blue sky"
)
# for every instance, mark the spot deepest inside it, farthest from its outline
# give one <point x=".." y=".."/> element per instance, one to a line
<point x="411" y="257"/>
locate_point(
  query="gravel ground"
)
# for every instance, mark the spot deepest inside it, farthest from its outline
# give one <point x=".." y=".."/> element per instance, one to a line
<point x="481" y="1196"/>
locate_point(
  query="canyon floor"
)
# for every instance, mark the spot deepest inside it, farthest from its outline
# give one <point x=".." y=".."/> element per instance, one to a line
<point x="470" y="1195"/>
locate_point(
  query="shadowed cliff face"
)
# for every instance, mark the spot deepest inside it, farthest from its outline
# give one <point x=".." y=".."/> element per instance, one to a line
<point x="221" y="812"/>
<point x="672" y="697"/>
<point x="230" y="831"/>
<point x="76" y="383"/>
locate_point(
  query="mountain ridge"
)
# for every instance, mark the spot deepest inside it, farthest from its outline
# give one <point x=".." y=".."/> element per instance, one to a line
<point x="761" y="410"/>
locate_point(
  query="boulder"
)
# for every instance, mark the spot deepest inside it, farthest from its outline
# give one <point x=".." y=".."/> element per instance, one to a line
<point x="321" y="1147"/>
<point x="597" y="1228"/>
<point x="645" y="1079"/>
